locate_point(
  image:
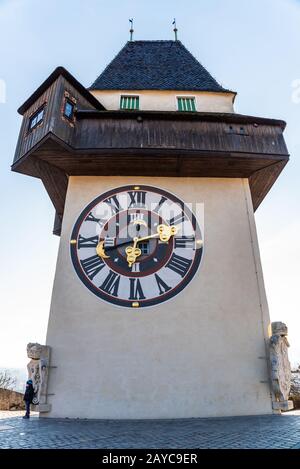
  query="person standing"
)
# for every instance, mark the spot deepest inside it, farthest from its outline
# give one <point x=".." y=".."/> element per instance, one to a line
<point x="28" y="396"/>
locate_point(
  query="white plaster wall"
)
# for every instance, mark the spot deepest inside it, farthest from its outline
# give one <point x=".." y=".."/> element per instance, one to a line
<point x="201" y="354"/>
<point x="158" y="100"/>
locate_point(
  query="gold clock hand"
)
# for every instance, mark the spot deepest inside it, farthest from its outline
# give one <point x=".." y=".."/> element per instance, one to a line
<point x="145" y="238"/>
<point x="102" y="250"/>
<point x="164" y="232"/>
<point x="132" y="252"/>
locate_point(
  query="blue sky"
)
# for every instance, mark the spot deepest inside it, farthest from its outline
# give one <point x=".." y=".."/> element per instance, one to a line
<point x="251" y="47"/>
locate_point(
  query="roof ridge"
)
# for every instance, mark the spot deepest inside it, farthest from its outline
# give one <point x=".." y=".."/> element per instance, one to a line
<point x="156" y="65"/>
<point x="198" y="61"/>
<point x="120" y="51"/>
<point x="115" y="57"/>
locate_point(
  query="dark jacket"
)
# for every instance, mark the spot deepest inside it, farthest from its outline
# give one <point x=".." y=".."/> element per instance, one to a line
<point x="29" y="393"/>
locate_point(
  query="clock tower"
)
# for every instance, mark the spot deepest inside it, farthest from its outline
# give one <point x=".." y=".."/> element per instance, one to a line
<point x="158" y="307"/>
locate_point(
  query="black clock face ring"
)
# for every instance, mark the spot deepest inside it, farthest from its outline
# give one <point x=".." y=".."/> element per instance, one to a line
<point x="136" y="246"/>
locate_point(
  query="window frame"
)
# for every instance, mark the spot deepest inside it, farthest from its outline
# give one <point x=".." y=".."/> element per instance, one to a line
<point x="190" y="97"/>
<point x="34" y="115"/>
<point x="144" y="248"/>
<point x="67" y="100"/>
<point x="136" y="96"/>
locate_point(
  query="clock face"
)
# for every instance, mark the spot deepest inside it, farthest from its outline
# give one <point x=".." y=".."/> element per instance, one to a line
<point x="136" y="246"/>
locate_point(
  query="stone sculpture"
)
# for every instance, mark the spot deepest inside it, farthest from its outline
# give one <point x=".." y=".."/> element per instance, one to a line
<point x="280" y="366"/>
<point x="38" y="372"/>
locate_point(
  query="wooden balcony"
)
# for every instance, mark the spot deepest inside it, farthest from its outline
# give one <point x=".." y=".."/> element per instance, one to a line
<point x="100" y="142"/>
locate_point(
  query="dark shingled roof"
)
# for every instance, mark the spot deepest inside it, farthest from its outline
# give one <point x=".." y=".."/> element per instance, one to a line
<point x="155" y="65"/>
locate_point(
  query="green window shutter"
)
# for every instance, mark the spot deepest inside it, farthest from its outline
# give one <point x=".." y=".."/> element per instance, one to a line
<point x="186" y="104"/>
<point x="129" y="102"/>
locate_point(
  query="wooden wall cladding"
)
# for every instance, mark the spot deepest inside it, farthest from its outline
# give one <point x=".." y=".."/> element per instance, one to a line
<point x="174" y="134"/>
<point x="53" y="122"/>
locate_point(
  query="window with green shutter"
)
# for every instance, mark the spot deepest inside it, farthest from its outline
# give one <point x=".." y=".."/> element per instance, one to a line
<point x="186" y="104"/>
<point x="130" y="102"/>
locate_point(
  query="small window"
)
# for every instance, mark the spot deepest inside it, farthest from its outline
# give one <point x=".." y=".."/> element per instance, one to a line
<point x="144" y="247"/>
<point x="186" y="104"/>
<point x="130" y="102"/>
<point x="69" y="109"/>
<point x="37" y="118"/>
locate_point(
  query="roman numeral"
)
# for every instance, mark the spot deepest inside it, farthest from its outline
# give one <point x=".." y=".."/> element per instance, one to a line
<point x="179" y="264"/>
<point x="160" y="203"/>
<point x="135" y="267"/>
<point x="178" y="219"/>
<point x="87" y="242"/>
<point x="136" y="291"/>
<point x="109" y="242"/>
<point x="113" y="202"/>
<point x="137" y="198"/>
<point x="185" y="242"/>
<point x="91" y="217"/>
<point x="162" y="286"/>
<point x="111" y="283"/>
<point x="135" y="216"/>
<point x="92" y="266"/>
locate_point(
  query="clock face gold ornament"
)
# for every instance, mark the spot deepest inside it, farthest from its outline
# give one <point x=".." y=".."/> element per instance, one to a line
<point x="136" y="246"/>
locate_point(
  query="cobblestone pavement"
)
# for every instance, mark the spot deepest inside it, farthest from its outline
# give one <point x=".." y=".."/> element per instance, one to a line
<point x="277" y="431"/>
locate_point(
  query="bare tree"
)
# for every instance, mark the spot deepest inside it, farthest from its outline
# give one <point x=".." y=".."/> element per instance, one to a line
<point x="6" y="380"/>
<point x="295" y="388"/>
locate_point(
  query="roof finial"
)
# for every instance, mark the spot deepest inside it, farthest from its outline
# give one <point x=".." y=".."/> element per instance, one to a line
<point x="131" y="29"/>
<point x="175" y="29"/>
